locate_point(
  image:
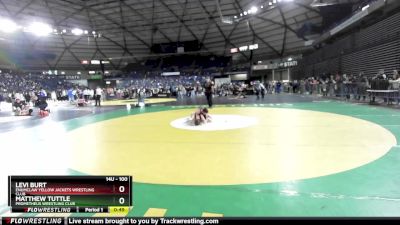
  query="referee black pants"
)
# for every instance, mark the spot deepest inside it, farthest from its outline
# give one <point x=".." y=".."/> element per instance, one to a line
<point x="98" y="97"/>
<point x="209" y="99"/>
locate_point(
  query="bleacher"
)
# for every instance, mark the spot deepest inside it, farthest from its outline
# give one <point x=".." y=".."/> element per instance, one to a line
<point x="385" y="29"/>
<point x="185" y="64"/>
<point x="372" y="59"/>
<point x="366" y="50"/>
<point x="153" y="63"/>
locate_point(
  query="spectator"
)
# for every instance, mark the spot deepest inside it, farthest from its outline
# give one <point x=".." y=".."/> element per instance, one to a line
<point x="70" y="95"/>
<point x="98" y="93"/>
<point x="259" y="89"/>
<point x="1" y="99"/>
<point x="278" y="87"/>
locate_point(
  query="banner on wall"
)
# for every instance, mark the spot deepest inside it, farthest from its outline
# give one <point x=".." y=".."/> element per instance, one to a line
<point x="220" y="81"/>
<point x="238" y="77"/>
<point x="275" y="65"/>
<point x="95" y="77"/>
<point x="170" y="74"/>
<point x="70" y="77"/>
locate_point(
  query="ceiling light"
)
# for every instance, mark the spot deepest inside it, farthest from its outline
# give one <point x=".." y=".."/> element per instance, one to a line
<point x="262" y="6"/>
<point x="235" y="17"/>
<point x="365" y="8"/>
<point x="64" y="31"/>
<point x="253" y="46"/>
<point x="39" y="29"/>
<point x="253" y="9"/>
<point x="95" y="62"/>
<point x="93" y="32"/>
<point x="85" y="32"/>
<point x="77" y="31"/>
<point x="8" y="26"/>
<point x="241" y="14"/>
<point x="245" y="13"/>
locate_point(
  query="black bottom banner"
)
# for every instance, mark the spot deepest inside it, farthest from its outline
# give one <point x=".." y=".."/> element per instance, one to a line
<point x="181" y="220"/>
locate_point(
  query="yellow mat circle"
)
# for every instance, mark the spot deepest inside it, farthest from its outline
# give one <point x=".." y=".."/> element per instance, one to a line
<point x="286" y="144"/>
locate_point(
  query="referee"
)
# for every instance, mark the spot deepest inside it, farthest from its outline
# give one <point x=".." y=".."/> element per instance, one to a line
<point x="208" y="90"/>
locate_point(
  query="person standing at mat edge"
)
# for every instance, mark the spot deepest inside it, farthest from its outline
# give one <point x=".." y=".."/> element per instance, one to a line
<point x="98" y="93"/>
<point x="208" y="90"/>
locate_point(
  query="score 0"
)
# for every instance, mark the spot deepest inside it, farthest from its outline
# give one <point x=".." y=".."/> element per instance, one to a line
<point x="121" y="190"/>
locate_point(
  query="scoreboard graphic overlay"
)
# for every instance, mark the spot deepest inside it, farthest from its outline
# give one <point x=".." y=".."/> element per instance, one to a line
<point x="69" y="194"/>
<point x="78" y="194"/>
